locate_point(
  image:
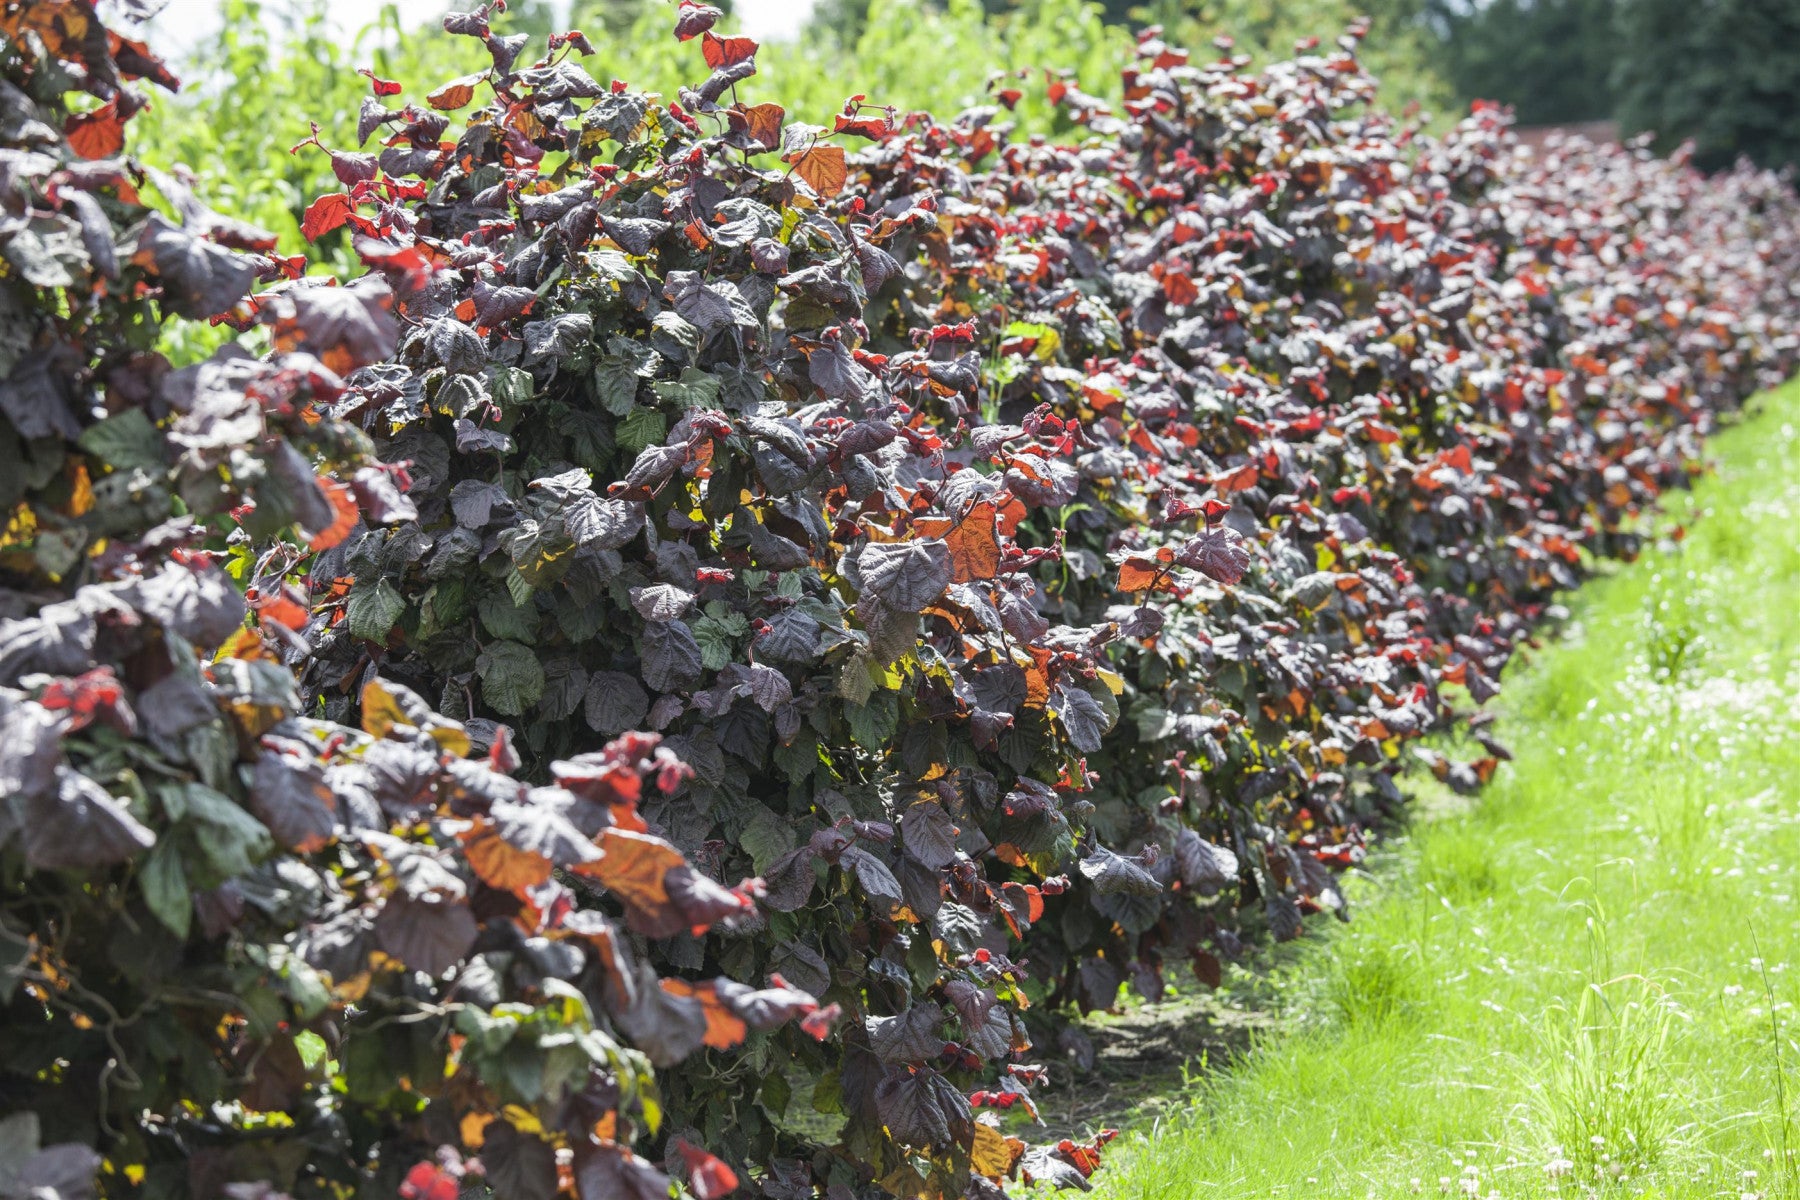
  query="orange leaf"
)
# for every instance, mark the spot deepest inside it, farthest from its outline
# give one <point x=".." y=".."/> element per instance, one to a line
<point x="726" y="52"/>
<point x="347" y="515"/>
<point x="724" y="1029"/>
<point x="1236" y="479"/>
<point x="81" y="492"/>
<point x="1179" y="288"/>
<point x="283" y="610"/>
<point x="499" y="863"/>
<point x="455" y="94"/>
<point x="97" y="134"/>
<point x="822" y="167"/>
<point x="1141" y="575"/>
<point x="245" y="644"/>
<point x="633" y="867"/>
<point x="761" y="121"/>
<point x="1037" y="687"/>
<point x="473" y="1128"/>
<point x="974" y="541"/>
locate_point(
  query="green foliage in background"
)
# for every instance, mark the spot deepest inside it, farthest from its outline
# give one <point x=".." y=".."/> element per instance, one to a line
<point x="1725" y="73"/>
<point x="284" y="61"/>
<point x="1552" y="60"/>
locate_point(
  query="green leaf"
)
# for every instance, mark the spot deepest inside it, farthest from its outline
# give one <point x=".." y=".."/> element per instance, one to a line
<point x="311" y="1048"/>
<point x="505" y="619"/>
<point x="644" y="427"/>
<point x="872" y="724"/>
<point x="717" y="645"/>
<point x="511" y="385"/>
<point x="165" y="886"/>
<point x="616" y="381"/>
<point x="766" y="838"/>
<point x="304" y="988"/>
<point x="695" y="389"/>
<point x="512" y="679"/>
<point x="800" y="758"/>
<point x="373" y="610"/>
<point x="856" y="681"/>
<point x="450" y="600"/>
<point x="232" y="839"/>
<point x="124" y="440"/>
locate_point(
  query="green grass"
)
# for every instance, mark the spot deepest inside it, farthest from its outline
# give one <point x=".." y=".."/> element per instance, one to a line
<point x="1583" y="983"/>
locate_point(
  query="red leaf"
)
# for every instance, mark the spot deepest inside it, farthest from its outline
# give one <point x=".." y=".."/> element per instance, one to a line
<point x="427" y="1181"/>
<point x="874" y="128"/>
<point x="380" y="86"/>
<point x="726" y="52"/>
<point x="708" y="1177"/>
<point x="817" y="1024"/>
<point x="98" y="134"/>
<point x="325" y="214"/>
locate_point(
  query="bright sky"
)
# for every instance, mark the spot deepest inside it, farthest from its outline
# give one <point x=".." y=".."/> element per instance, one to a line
<point x="189" y="23"/>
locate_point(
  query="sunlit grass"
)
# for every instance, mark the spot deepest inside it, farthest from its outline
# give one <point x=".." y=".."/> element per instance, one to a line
<point x="1584" y="983"/>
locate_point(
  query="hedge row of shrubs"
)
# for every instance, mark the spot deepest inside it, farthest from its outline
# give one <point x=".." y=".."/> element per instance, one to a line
<point x="242" y="950"/>
<point x="1033" y="561"/>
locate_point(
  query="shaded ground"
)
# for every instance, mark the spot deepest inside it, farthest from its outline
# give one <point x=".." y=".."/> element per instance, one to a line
<point x="1144" y="1059"/>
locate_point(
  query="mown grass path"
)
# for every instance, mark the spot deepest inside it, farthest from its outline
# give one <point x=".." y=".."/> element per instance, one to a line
<point x="1584" y="982"/>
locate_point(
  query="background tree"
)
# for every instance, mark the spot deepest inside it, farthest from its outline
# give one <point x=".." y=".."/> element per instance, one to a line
<point x="1551" y="60"/>
<point x="1725" y="73"/>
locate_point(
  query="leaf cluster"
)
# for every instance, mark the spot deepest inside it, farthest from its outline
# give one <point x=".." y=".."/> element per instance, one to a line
<point x="246" y="952"/>
<point x="1043" y="552"/>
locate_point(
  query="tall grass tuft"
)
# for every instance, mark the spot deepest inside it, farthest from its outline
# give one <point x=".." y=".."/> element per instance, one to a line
<point x="1603" y="1085"/>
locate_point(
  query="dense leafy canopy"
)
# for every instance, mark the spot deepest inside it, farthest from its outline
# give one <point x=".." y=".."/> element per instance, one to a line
<point x="244" y="951"/>
<point x="1033" y="559"/>
<point x="1034" y="548"/>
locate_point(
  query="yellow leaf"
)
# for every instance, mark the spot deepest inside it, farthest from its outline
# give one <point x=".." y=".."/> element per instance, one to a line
<point x="81" y="492"/>
<point x="382" y="711"/>
<point x="21" y="527"/>
<point x="522" y="1119"/>
<point x="474" y="1129"/>
<point x="452" y="739"/>
<point x="993" y="1153"/>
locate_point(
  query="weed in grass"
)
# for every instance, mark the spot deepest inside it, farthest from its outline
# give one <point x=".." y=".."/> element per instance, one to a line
<point x="1602" y="1084"/>
<point x="1457" y="865"/>
<point x="1673" y="641"/>
<point x="1373" y="982"/>
<point x="1782" y="1143"/>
